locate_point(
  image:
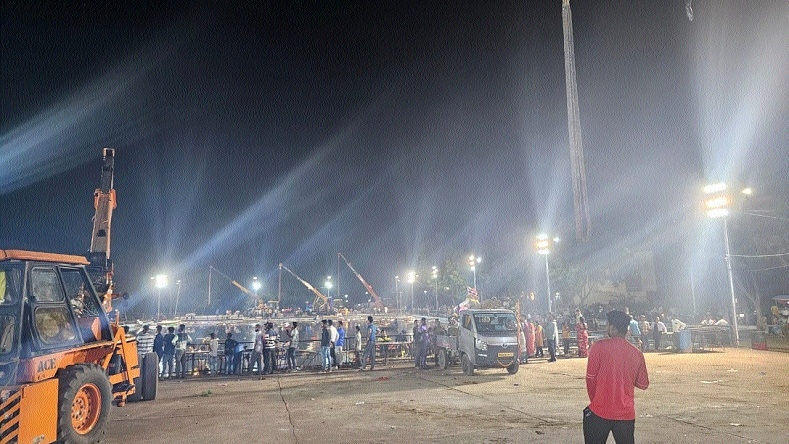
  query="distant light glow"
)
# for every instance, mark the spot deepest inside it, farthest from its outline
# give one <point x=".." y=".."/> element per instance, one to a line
<point x="160" y="281"/>
<point x="714" y="188"/>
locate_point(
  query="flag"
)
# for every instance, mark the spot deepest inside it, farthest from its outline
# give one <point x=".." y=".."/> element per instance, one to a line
<point x="472" y="295"/>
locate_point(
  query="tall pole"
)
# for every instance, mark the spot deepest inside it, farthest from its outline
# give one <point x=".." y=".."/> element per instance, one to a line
<point x="397" y="291"/>
<point x="209" y="284"/>
<point x="731" y="283"/>
<point x="693" y="293"/>
<point x="177" y="294"/>
<point x="159" y="305"/>
<point x="279" y="287"/>
<point x="412" y="296"/>
<point x="548" y="282"/>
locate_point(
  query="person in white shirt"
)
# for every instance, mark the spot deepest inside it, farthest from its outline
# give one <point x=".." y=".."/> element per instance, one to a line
<point x="213" y="353"/>
<point x="335" y="336"/>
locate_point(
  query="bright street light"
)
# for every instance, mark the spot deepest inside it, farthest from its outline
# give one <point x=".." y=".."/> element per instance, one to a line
<point x="160" y="282"/>
<point x="472" y="263"/>
<point x="718" y="204"/>
<point x="411" y="280"/>
<point x="543" y="246"/>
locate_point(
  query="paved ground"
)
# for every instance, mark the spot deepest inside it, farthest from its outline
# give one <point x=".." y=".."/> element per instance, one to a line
<point x="733" y="396"/>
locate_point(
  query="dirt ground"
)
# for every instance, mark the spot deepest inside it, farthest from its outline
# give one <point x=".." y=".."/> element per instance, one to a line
<point x="733" y="396"/>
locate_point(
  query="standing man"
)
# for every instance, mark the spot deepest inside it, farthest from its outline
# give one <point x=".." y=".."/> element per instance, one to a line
<point x="340" y="343"/>
<point x="369" y="350"/>
<point x="358" y="345"/>
<point x="417" y="337"/>
<point x="658" y="328"/>
<point x="158" y="345"/>
<point x="257" y="351"/>
<point x="181" y="342"/>
<point x="424" y="344"/>
<point x="294" y="342"/>
<point x="145" y="340"/>
<point x="230" y="352"/>
<point x="635" y="331"/>
<point x="551" y="336"/>
<point x="614" y="368"/>
<point x="213" y="353"/>
<point x="270" y="349"/>
<point x="325" y="345"/>
<point x="335" y="336"/>
<point x="168" y="352"/>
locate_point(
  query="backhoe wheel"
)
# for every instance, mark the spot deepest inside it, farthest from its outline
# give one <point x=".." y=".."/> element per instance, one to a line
<point x="442" y="358"/>
<point x="84" y="404"/>
<point x="149" y="374"/>
<point x="468" y="367"/>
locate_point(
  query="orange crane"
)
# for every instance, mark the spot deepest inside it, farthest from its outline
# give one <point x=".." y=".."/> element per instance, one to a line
<point x="319" y="297"/>
<point x="376" y="299"/>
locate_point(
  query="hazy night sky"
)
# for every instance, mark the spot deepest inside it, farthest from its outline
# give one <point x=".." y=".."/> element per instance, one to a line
<point x="391" y="132"/>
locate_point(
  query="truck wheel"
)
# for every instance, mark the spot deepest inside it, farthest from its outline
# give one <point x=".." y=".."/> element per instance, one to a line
<point x="468" y="367"/>
<point x="441" y="357"/>
<point x="84" y="404"/>
<point x="513" y="368"/>
<point x="137" y="395"/>
<point x="149" y="374"/>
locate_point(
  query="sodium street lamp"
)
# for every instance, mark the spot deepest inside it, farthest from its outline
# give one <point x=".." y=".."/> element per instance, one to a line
<point x="543" y="246"/>
<point x="718" y="203"/>
<point x="472" y="262"/>
<point x="160" y="282"/>
<point x="411" y="280"/>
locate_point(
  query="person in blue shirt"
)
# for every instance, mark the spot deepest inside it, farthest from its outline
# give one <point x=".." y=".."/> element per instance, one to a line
<point x="340" y="343"/>
<point x="369" y="350"/>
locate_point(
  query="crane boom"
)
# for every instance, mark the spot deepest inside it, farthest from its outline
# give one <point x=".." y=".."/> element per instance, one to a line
<point x="232" y="281"/>
<point x="100" y="269"/>
<point x="318" y="294"/>
<point x="369" y="287"/>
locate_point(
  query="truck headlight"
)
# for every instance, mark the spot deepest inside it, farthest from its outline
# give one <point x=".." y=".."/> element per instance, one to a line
<point x="482" y="345"/>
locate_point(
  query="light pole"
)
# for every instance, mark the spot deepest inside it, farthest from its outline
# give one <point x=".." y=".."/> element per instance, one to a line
<point x="160" y="281"/>
<point x="328" y="286"/>
<point x="435" y="283"/>
<point x="256" y="286"/>
<point x="472" y="262"/>
<point x="177" y="295"/>
<point x="397" y="291"/>
<point x="411" y="280"/>
<point x="718" y="204"/>
<point x="543" y="245"/>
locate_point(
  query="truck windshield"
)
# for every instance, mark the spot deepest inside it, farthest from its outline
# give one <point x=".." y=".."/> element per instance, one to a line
<point x="496" y="324"/>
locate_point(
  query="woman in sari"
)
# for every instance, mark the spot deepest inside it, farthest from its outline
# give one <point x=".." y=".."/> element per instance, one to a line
<point x="582" y="333"/>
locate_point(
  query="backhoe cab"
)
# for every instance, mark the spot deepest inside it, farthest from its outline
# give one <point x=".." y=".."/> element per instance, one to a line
<point x="62" y="361"/>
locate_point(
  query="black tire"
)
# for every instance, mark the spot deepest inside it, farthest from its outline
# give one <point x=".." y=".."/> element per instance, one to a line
<point x="84" y="404"/>
<point x="513" y="368"/>
<point x="149" y="373"/>
<point x="441" y="357"/>
<point x="137" y="395"/>
<point x="468" y="367"/>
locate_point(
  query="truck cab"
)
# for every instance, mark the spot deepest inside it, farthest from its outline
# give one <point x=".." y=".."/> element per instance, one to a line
<point x="484" y="339"/>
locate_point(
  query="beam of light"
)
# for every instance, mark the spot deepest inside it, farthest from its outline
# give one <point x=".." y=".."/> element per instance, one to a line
<point x="69" y="133"/>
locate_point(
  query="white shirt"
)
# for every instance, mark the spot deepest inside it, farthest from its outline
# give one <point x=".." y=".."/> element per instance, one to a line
<point x="334" y="335"/>
<point x="213" y="347"/>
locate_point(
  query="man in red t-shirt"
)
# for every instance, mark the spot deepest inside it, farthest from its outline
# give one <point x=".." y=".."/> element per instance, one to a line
<point x="614" y="367"/>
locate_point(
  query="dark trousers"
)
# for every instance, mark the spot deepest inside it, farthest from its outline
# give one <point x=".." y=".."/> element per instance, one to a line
<point x="333" y="357"/>
<point x="552" y="349"/>
<point x="596" y="429"/>
<point x="268" y="358"/>
<point x="566" y="343"/>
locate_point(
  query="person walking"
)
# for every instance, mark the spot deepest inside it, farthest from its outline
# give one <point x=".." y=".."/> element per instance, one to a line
<point x="369" y="350"/>
<point x="424" y="344"/>
<point x="325" y="346"/>
<point x="294" y="342"/>
<point x="614" y="369"/>
<point x="529" y="331"/>
<point x="168" y="353"/>
<point x="582" y="336"/>
<point x="551" y="337"/>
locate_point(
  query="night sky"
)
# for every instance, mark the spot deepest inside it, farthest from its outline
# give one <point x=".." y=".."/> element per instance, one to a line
<point x="397" y="133"/>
